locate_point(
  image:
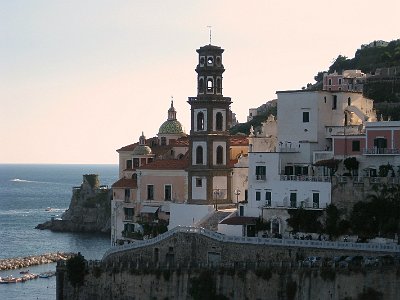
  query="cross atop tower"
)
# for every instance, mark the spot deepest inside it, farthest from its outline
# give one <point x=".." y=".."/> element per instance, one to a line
<point x="209" y="29"/>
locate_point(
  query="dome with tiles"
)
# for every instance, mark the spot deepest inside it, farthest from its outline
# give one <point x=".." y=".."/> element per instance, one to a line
<point x="172" y="125"/>
<point x="142" y="148"/>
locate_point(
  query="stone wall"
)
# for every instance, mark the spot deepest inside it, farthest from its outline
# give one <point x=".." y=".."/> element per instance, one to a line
<point x="185" y="265"/>
<point x="237" y="283"/>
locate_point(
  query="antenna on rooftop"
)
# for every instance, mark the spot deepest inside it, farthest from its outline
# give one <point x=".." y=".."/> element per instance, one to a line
<point x="209" y="28"/>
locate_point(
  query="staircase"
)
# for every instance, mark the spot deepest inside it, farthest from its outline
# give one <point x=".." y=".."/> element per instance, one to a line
<point x="211" y="222"/>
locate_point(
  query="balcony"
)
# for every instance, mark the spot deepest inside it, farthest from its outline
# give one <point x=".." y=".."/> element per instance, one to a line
<point x="343" y="130"/>
<point x="381" y="151"/>
<point x="305" y="178"/>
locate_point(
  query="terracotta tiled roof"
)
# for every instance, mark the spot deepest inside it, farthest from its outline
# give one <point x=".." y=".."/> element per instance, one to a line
<point x="128" y="148"/>
<point x="181" y="142"/>
<point x="238" y="140"/>
<point x="239" y="220"/>
<point x="232" y="163"/>
<point x="167" y="164"/>
<point x="125" y="183"/>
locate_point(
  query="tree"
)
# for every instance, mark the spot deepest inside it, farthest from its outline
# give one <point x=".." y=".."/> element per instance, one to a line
<point x="76" y="269"/>
<point x="304" y="220"/>
<point x="351" y="164"/>
<point x="332" y="220"/>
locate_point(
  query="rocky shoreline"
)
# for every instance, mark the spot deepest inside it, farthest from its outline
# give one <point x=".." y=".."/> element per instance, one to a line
<point x="33" y="260"/>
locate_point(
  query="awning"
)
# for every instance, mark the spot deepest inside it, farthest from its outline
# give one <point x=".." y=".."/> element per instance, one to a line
<point x="149" y="209"/>
<point x="165" y="208"/>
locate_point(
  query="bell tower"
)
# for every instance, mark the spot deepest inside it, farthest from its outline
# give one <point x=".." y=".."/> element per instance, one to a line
<point x="209" y="173"/>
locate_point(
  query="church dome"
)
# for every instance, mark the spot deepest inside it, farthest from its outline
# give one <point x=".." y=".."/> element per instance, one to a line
<point x="141" y="150"/>
<point x="171" y="127"/>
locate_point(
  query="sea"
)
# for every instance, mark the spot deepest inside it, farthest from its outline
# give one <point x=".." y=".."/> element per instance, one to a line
<point x="27" y="191"/>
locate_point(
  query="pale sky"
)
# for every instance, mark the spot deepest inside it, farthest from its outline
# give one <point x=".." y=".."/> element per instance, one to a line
<point x="80" y="79"/>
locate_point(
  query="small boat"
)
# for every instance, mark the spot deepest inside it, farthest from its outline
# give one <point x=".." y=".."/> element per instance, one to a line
<point x="47" y="274"/>
<point x="10" y="279"/>
<point x="48" y="209"/>
<point x="24" y="272"/>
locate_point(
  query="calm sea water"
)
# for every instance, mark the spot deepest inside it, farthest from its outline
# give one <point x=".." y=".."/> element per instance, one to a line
<point x="25" y="193"/>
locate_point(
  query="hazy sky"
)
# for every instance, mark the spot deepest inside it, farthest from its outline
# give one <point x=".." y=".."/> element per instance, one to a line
<point x="80" y="79"/>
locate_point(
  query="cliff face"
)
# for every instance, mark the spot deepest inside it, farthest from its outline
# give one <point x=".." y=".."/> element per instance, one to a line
<point x="89" y="210"/>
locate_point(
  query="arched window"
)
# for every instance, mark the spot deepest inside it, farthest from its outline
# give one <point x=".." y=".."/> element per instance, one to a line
<point x="220" y="155"/>
<point x="199" y="155"/>
<point x="219" y="120"/>
<point x="219" y="89"/>
<point x="200" y="121"/>
<point x="201" y="86"/>
<point x="210" y="85"/>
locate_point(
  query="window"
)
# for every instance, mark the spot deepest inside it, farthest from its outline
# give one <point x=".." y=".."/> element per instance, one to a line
<point x="315" y="200"/>
<point x="219" y="121"/>
<point x="199" y="182"/>
<point x="349" y="101"/>
<point x="167" y="192"/>
<point x="163" y="141"/>
<point x="219" y="89"/>
<point x="246" y="195"/>
<point x="136" y="162"/>
<point x="306" y="116"/>
<point x="201" y="86"/>
<point x="293" y="199"/>
<point x="199" y="155"/>
<point x="380" y="143"/>
<point x="200" y="121"/>
<point x="150" y="192"/>
<point x="128" y="213"/>
<point x="329" y="81"/>
<point x="355" y="146"/>
<point x="210" y="85"/>
<point x="289" y="170"/>
<point x="340" y="80"/>
<point x="210" y="60"/>
<point x="334" y="102"/>
<point x="220" y="155"/>
<point x="261" y="172"/>
<point x="129" y="164"/>
<point x="258" y="195"/>
<point x="268" y="198"/>
<point x="127" y="195"/>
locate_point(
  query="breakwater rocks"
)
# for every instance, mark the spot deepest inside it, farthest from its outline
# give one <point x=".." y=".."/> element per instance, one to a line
<point x="23" y="262"/>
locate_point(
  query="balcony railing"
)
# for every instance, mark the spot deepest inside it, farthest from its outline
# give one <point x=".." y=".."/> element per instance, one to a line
<point x="261" y="177"/>
<point x="343" y="130"/>
<point x="305" y="178"/>
<point x="288" y="150"/>
<point x="381" y="151"/>
<point x="128" y="218"/>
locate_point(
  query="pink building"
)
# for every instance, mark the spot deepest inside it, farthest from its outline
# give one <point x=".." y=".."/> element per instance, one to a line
<point x="349" y="80"/>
